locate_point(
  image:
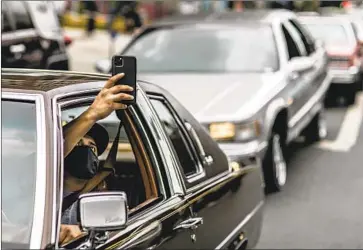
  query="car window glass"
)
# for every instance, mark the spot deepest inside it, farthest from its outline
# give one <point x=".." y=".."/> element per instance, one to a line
<point x="21" y="15"/>
<point x="176" y="137"/>
<point x="5" y="22"/>
<point x="304" y="36"/>
<point x="292" y="48"/>
<point x="249" y="48"/>
<point x="18" y="167"/>
<point x="129" y="169"/>
<point x="333" y="34"/>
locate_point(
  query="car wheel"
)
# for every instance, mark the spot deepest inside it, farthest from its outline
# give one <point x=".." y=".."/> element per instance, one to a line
<point x="274" y="165"/>
<point x="350" y="95"/>
<point x="360" y="82"/>
<point x="317" y="128"/>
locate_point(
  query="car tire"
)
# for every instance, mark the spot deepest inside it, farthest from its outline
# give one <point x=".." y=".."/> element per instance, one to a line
<point x="360" y="82"/>
<point x="317" y="128"/>
<point x="350" y="95"/>
<point x="274" y="165"/>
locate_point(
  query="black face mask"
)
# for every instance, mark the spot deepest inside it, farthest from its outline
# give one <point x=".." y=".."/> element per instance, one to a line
<point x="82" y="163"/>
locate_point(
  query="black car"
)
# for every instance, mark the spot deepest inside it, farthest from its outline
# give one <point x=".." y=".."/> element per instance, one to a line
<point x="31" y="36"/>
<point x="179" y="188"/>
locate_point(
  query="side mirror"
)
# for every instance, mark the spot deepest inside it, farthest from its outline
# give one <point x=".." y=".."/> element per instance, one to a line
<point x="103" y="66"/>
<point x="300" y="64"/>
<point x="103" y="211"/>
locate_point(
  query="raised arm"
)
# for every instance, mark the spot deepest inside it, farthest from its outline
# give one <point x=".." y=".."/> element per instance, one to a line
<point x="107" y="101"/>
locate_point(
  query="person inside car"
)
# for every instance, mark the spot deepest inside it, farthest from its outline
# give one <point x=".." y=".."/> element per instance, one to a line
<point x="84" y="141"/>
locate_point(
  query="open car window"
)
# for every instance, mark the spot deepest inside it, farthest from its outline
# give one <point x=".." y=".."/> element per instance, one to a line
<point x="134" y="173"/>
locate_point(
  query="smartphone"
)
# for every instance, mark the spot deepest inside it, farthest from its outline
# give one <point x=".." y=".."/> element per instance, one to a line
<point x="126" y="65"/>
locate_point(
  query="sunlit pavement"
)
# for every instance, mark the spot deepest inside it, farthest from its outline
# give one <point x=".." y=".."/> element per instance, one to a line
<point x="85" y="51"/>
<point x="322" y="203"/>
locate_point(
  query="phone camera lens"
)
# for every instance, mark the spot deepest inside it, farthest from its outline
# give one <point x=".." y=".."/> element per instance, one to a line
<point x="119" y="62"/>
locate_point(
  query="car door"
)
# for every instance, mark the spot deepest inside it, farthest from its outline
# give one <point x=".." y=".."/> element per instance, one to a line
<point x="221" y="201"/>
<point x="159" y="222"/>
<point x="23" y="45"/>
<point x="317" y="74"/>
<point x="298" y="82"/>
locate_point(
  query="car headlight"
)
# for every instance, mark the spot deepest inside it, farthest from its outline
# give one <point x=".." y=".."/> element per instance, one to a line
<point x="230" y="131"/>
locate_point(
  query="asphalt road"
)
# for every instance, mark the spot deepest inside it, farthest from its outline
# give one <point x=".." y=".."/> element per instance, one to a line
<point x="322" y="203"/>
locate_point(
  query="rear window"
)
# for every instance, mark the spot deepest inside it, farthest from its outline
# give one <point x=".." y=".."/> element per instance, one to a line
<point x="21" y="15"/>
<point x="332" y="34"/>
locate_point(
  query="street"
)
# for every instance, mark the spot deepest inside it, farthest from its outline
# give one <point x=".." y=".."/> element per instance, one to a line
<point x="321" y="204"/>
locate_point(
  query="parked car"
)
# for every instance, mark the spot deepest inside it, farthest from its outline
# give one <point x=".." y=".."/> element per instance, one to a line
<point x="343" y="48"/>
<point x="255" y="79"/>
<point x="180" y="188"/>
<point x="32" y="37"/>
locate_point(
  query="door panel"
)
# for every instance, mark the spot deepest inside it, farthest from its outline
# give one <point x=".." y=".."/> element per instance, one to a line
<point x="225" y="206"/>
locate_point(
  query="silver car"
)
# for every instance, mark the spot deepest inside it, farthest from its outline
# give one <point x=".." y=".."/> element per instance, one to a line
<point x="256" y="80"/>
<point x="344" y="52"/>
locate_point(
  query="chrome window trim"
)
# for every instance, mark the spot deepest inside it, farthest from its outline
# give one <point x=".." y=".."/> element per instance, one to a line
<point x="152" y="212"/>
<point x="219" y="178"/>
<point x="41" y="173"/>
<point x="85" y="99"/>
<point x="200" y="171"/>
<point x="151" y="150"/>
<point x="58" y="149"/>
<point x="176" y="182"/>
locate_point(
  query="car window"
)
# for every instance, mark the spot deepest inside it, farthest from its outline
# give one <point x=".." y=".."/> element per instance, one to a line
<point x="5" y="22"/>
<point x="333" y="34"/>
<point x="206" y="49"/>
<point x="18" y="167"/>
<point x="21" y="15"/>
<point x="176" y="136"/>
<point x="133" y="173"/>
<point x="304" y="36"/>
<point x="292" y="47"/>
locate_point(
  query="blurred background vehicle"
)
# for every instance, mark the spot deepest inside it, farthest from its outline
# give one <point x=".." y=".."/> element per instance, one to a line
<point x="255" y="79"/>
<point x="32" y="37"/>
<point x="344" y="50"/>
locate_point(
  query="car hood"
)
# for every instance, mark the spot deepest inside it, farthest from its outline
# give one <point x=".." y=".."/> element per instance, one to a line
<point x="219" y="97"/>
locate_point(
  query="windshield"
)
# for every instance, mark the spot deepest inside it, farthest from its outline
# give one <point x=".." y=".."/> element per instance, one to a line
<point x="246" y="49"/>
<point x="19" y="148"/>
<point x="331" y="34"/>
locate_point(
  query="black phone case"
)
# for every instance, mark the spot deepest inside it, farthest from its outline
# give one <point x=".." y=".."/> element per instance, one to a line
<point x="129" y="68"/>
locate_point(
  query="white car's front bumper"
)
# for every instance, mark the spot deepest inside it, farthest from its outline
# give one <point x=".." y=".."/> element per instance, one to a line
<point x="240" y="151"/>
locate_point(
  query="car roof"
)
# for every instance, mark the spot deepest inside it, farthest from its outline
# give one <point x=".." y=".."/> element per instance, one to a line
<point x="44" y="80"/>
<point x="325" y="19"/>
<point x="53" y="82"/>
<point x="229" y="17"/>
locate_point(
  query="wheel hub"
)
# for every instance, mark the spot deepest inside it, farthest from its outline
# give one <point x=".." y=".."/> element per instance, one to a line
<point x="279" y="161"/>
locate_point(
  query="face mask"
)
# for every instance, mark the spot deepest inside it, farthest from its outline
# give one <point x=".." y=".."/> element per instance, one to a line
<point x="82" y="163"/>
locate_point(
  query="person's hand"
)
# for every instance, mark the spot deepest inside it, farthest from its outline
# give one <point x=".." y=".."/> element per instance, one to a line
<point x="69" y="233"/>
<point x="109" y="98"/>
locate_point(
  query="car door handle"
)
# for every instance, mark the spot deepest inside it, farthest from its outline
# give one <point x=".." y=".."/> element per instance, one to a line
<point x="191" y="223"/>
<point x="18" y="48"/>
